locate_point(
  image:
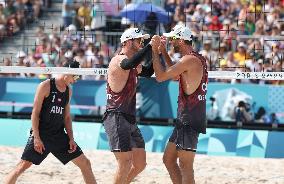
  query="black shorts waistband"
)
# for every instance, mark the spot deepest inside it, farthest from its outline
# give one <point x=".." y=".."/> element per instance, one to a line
<point x="130" y="118"/>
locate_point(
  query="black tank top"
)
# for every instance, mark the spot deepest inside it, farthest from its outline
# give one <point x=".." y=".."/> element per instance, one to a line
<point x="51" y="118"/>
<point x="124" y="101"/>
<point x="192" y="108"/>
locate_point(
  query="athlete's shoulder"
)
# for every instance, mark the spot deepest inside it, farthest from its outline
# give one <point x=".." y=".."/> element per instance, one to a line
<point x="70" y="91"/>
<point x="189" y="59"/>
<point x="118" y="58"/>
<point x="44" y="87"/>
<point x="115" y="62"/>
<point x="45" y="83"/>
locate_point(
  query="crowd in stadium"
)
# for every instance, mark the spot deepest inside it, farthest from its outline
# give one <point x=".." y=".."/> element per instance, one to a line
<point x="232" y="35"/>
<point x="15" y="14"/>
<point x="227" y="33"/>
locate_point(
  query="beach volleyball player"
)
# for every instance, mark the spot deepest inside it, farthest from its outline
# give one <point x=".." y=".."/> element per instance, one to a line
<point x="191" y="115"/>
<point x="50" y="117"/>
<point x="124" y="136"/>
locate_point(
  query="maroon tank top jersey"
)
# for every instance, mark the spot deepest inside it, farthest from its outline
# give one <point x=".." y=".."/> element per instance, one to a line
<point x="124" y="101"/>
<point x="192" y="108"/>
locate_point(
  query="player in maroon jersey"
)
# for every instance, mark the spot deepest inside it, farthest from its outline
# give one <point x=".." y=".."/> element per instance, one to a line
<point x="191" y="115"/>
<point x="125" y="139"/>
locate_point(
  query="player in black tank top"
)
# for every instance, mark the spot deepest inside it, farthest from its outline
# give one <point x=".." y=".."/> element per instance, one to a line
<point x="50" y="119"/>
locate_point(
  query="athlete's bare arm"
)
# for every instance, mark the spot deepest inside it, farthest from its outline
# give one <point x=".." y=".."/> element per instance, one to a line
<point x="117" y="77"/>
<point x="164" y="52"/>
<point x="139" y="68"/>
<point x="67" y="118"/>
<point x="68" y="124"/>
<point x="189" y="67"/>
<point x="41" y="93"/>
<point x="170" y="72"/>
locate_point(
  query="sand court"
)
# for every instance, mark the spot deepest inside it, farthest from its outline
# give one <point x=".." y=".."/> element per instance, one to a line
<point x="208" y="169"/>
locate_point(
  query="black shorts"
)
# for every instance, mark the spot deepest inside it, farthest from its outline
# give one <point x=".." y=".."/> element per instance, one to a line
<point x="59" y="148"/>
<point x="185" y="138"/>
<point x="122" y="134"/>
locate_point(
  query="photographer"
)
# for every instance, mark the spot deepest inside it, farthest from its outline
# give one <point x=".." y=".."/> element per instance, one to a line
<point x="242" y="113"/>
<point x="213" y="112"/>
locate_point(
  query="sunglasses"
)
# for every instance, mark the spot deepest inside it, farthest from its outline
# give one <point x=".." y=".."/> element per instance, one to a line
<point x="76" y="77"/>
<point x="141" y="42"/>
<point x="173" y="38"/>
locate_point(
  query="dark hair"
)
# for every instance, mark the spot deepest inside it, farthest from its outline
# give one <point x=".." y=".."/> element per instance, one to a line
<point x="80" y="50"/>
<point x="241" y="104"/>
<point x="260" y="112"/>
<point x="193" y="39"/>
<point x="72" y="64"/>
<point x="187" y="42"/>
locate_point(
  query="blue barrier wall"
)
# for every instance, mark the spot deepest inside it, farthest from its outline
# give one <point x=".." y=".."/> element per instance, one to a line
<point x="159" y="99"/>
<point x="227" y="142"/>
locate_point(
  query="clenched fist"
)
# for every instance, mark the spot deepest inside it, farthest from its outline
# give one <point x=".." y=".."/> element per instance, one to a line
<point x="155" y="42"/>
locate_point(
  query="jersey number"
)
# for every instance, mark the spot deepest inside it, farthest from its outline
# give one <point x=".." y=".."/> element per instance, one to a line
<point x="53" y="98"/>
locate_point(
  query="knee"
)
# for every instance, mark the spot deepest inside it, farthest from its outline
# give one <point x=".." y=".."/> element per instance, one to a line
<point x="86" y="163"/>
<point x="169" y="162"/>
<point x="186" y="166"/>
<point x="140" y="167"/>
<point x="125" y="164"/>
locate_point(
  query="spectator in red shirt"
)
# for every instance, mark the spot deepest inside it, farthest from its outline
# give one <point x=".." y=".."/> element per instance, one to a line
<point x="215" y="24"/>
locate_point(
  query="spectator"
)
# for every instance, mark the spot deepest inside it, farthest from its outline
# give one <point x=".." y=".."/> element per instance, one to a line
<point x="10" y="15"/>
<point x="231" y="62"/>
<point x="222" y="54"/>
<point x="7" y="62"/>
<point x="49" y="56"/>
<point x="249" y="26"/>
<point x="80" y="57"/>
<point x="215" y="25"/>
<point x="241" y="55"/>
<point x="84" y="15"/>
<point x="198" y="14"/>
<point x="260" y="116"/>
<point x="242" y="113"/>
<point x="259" y="28"/>
<point x="68" y="56"/>
<point x="30" y="12"/>
<point x="22" y="61"/>
<point x="244" y="12"/>
<point x="272" y="16"/>
<point x="2" y="23"/>
<point x="47" y="3"/>
<point x="226" y="28"/>
<point x="223" y="23"/>
<point x="216" y="8"/>
<point x="37" y="8"/>
<point x="68" y="12"/>
<point x="273" y="119"/>
<point x="21" y="55"/>
<point x="276" y="29"/>
<point x="99" y="18"/>
<point x="242" y="29"/>
<point x="91" y="59"/>
<point x="152" y="25"/>
<point x="170" y="5"/>
<point x="209" y="54"/>
<point x="20" y="13"/>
